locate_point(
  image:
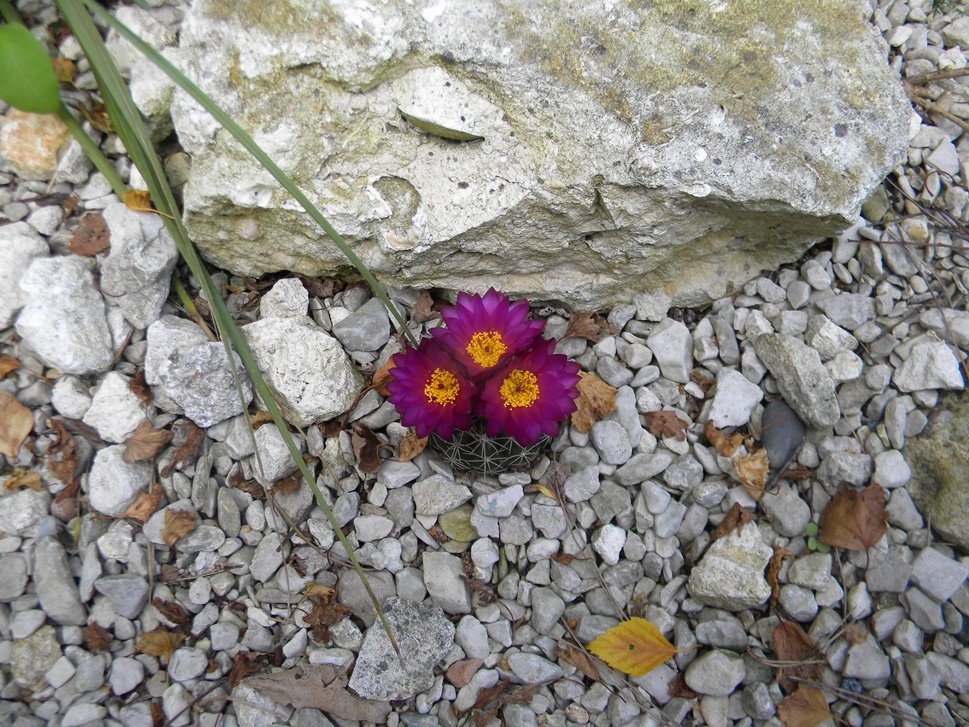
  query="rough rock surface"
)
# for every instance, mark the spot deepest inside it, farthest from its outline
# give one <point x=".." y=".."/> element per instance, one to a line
<point x="939" y="460"/>
<point x="425" y="636"/>
<point x="64" y="320"/>
<point x="136" y="273"/>
<point x="19" y="245"/>
<point x="750" y="130"/>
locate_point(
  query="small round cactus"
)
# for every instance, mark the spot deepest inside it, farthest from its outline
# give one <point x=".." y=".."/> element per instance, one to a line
<point x="473" y="451"/>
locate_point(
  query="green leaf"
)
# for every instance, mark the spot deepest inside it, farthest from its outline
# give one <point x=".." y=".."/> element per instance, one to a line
<point x="812" y="543"/>
<point x="811" y="529"/>
<point x="435" y="129"/>
<point x="27" y="80"/>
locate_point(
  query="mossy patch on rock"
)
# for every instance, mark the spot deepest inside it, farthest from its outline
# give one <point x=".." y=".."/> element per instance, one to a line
<point x="939" y="459"/>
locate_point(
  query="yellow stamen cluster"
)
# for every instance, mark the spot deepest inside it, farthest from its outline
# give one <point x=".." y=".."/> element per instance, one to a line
<point x="442" y="388"/>
<point x="520" y="388"/>
<point x="485" y="348"/>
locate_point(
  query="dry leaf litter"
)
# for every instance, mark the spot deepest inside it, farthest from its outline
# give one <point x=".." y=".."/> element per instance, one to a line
<point x="154" y="573"/>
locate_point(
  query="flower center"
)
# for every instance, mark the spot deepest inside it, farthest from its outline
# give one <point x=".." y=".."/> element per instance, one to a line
<point x="485" y="348"/>
<point x="442" y="388"/>
<point x="520" y="388"/>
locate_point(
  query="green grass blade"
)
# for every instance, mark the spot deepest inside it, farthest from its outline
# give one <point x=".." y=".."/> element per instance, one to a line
<point x="127" y="120"/>
<point x="243" y="138"/>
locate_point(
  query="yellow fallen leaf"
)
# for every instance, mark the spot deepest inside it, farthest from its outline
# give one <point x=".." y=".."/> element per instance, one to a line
<point x="177" y="523"/>
<point x="138" y="200"/>
<point x="7" y="364"/>
<point x="24" y="479"/>
<point x="752" y="472"/>
<point x="635" y="647"/>
<point x="545" y="490"/>
<point x="411" y="446"/>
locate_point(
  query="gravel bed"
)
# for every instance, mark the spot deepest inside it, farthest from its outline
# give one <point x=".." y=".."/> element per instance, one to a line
<point x="485" y="579"/>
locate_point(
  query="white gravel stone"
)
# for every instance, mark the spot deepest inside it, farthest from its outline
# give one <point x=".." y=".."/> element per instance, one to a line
<point x="442" y="577"/>
<point x="437" y="495"/>
<point x="113" y="484"/>
<point x="930" y="365"/>
<point x="672" y="344"/>
<point x="64" y="318"/>
<point x="891" y="469"/>
<point x="608" y="542"/>
<point x="731" y="573"/>
<point x="288" y="298"/>
<point x="734" y="400"/>
<point x="115" y="410"/>
<point x="19" y="246"/>
<point x="306" y="367"/>
<point x="938" y="575"/>
<point x="136" y="273"/>
<point x="71" y="397"/>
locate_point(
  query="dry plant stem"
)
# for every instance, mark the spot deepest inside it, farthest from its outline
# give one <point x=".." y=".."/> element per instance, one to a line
<point x="927" y="78"/>
<point x="189" y="304"/>
<point x="197" y="700"/>
<point x="934" y="108"/>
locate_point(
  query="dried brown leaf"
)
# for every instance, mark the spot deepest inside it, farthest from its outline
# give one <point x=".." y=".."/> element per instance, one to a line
<point x="854" y="520"/>
<point x="260" y="418"/>
<point x="61" y="457"/>
<point x="735" y="519"/>
<point x="366" y="448"/>
<point x="244" y="664"/>
<point x="24" y="479"/>
<point x="177" y="523"/>
<point x="287" y="485"/>
<point x="91" y="235"/>
<point x="563" y="558"/>
<point x="144" y="506"/>
<point x="97" y="114"/>
<point x="792" y="645"/>
<point x="596" y="400"/>
<point x="8" y="364"/>
<point x="157" y="714"/>
<point x="487" y="696"/>
<point x="187" y="452"/>
<point x="666" y="424"/>
<point x="580" y="660"/>
<point x="139" y="387"/>
<point x="145" y="443"/>
<point x="421" y="312"/>
<point x="774" y="569"/>
<point x="590" y="326"/>
<point x="160" y="643"/>
<point x="807" y="707"/>
<point x="138" y="200"/>
<point x="318" y="590"/>
<point x="382" y="377"/>
<point x="752" y="471"/>
<point x="168" y="574"/>
<point x="679" y="688"/>
<point x="64" y="69"/>
<point x="173" y="612"/>
<point x="721" y="442"/>
<point x="96" y="637"/>
<point x="16" y="421"/>
<point x="318" y="686"/>
<point x="411" y="446"/>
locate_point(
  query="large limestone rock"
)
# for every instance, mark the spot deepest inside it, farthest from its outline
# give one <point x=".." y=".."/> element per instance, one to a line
<point x="610" y="147"/>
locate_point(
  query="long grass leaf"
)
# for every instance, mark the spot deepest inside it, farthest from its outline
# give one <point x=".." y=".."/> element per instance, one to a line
<point x="127" y="120"/>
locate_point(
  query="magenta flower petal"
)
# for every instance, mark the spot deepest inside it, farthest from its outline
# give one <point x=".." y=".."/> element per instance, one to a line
<point x="530" y="395"/>
<point x="485" y="332"/>
<point x="430" y="390"/>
